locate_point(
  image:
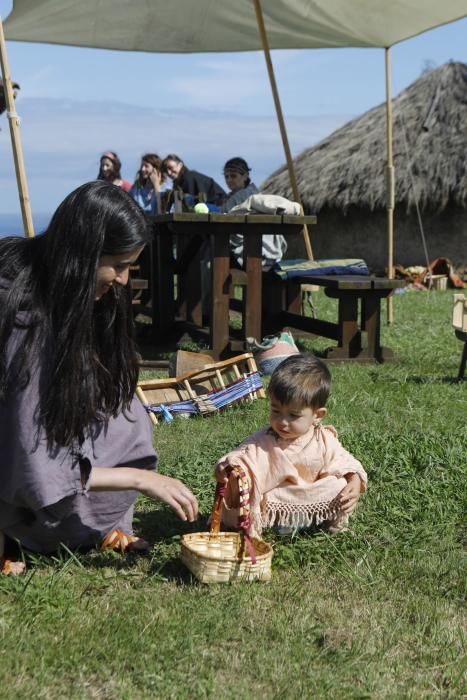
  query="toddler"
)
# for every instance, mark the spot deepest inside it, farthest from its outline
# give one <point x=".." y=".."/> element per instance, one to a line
<point x="299" y="474"/>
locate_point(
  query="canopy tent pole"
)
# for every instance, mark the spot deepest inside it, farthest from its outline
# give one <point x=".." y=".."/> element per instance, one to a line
<point x="13" y="121"/>
<point x="389" y="183"/>
<point x="280" y="119"/>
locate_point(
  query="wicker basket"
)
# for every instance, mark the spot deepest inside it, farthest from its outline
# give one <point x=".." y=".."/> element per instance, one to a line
<point x="219" y="557"/>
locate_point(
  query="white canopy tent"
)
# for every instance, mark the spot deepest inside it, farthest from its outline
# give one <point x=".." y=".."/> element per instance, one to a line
<point x="188" y="26"/>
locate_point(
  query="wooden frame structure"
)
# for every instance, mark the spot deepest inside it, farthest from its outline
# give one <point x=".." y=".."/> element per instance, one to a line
<point x="197" y="388"/>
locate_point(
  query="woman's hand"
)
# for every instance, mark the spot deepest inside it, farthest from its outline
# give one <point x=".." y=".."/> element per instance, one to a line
<point x="164" y="488"/>
<point x="170" y="491"/>
<point x="350" y="494"/>
<point x="155" y="178"/>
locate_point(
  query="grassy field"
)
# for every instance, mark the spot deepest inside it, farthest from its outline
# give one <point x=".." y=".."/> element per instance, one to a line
<point x="376" y="612"/>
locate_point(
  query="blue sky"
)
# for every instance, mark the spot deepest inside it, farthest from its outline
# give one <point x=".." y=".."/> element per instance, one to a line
<point x="76" y="103"/>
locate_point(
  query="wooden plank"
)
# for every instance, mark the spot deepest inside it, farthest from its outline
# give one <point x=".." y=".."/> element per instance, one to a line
<point x="216" y="218"/>
<point x="299" y="219"/>
<point x="255" y="219"/>
<point x="347" y="282"/>
<point x="228" y="218"/>
<point x="386" y="283"/>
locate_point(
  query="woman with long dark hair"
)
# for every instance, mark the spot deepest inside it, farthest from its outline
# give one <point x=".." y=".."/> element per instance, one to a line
<point x="110" y="170"/>
<point x="70" y="425"/>
<point x="191" y="181"/>
<point x="146" y="190"/>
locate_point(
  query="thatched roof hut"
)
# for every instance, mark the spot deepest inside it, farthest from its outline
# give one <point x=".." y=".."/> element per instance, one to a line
<point x="342" y="178"/>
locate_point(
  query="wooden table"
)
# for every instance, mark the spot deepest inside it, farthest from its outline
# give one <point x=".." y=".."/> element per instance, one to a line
<point x="188" y="232"/>
<point x="350" y="291"/>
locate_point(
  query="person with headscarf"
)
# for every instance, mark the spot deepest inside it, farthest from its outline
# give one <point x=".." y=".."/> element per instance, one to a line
<point x="110" y="167"/>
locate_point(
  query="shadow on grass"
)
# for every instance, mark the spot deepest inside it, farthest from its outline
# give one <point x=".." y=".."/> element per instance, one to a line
<point x="431" y="380"/>
<point x="161" y="529"/>
<point x="419" y="379"/>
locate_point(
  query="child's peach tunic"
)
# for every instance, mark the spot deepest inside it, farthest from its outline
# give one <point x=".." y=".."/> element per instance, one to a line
<point x="293" y="483"/>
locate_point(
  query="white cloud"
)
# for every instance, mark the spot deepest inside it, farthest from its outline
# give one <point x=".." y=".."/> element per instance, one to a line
<point x="223" y="81"/>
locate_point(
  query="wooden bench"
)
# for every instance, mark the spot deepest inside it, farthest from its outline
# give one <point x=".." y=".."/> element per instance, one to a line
<point x="359" y="307"/>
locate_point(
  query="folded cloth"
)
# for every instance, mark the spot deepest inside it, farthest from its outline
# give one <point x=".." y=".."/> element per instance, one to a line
<point x="287" y="269"/>
<point x="266" y="204"/>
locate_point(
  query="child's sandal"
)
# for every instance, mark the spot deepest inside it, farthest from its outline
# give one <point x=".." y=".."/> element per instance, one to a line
<point x="121" y="541"/>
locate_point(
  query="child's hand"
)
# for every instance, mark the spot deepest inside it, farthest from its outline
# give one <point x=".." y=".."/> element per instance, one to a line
<point x="220" y="473"/>
<point x="350" y="494"/>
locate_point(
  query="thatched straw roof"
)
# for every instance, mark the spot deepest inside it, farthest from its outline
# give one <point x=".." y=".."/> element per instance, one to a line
<point x="15" y="87"/>
<point x="348" y="167"/>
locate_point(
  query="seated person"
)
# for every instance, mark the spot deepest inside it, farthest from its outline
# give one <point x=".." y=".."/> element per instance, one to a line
<point x="110" y="167"/>
<point x="298" y="472"/>
<point x="236" y="174"/>
<point x="191" y="181"/>
<point x="146" y="189"/>
<point x="75" y="441"/>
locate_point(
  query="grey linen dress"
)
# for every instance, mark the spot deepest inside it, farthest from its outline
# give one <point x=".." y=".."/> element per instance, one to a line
<point x="43" y="493"/>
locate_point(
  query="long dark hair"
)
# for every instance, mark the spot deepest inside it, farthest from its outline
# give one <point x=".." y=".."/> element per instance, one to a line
<point x="156" y="162"/>
<point x="88" y="364"/>
<point x="176" y="159"/>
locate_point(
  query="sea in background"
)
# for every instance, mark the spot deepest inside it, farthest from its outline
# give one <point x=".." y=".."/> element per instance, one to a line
<point x="12" y="224"/>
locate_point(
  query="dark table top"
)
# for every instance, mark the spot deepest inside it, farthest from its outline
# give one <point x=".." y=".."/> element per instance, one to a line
<point x="216" y="218"/>
<point x="349" y="281"/>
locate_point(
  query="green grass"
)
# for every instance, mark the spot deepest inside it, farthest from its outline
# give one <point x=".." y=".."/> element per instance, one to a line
<point x="373" y="613"/>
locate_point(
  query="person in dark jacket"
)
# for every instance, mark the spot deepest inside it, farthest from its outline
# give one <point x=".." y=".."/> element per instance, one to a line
<point x="191" y="181"/>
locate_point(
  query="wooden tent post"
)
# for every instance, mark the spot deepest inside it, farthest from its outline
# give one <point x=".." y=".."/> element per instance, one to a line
<point x="13" y="120"/>
<point x="389" y="184"/>
<point x="280" y="119"/>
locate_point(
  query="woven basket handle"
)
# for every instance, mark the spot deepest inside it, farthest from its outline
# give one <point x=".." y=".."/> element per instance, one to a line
<point x="244" y="517"/>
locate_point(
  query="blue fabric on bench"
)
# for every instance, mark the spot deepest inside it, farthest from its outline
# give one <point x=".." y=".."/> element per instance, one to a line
<point x="287" y="269"/>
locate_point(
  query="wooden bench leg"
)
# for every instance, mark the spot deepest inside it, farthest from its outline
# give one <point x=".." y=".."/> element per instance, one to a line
<point x="163" y="304"/>
<point x="221" y="286"/>
<point x="189" y="278"/>
<point x="350" y="342"/>
<point x="253" y="291"/>
<point x="371" y="323"/>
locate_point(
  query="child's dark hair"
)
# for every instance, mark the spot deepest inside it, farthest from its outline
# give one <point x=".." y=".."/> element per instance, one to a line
<point x="301" y="379"/>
